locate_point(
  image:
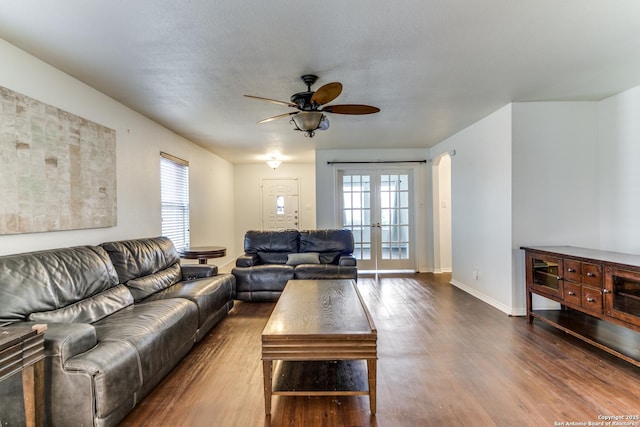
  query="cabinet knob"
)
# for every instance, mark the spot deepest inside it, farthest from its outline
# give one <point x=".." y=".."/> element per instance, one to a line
<point x="571" y="293"/>
<point x="590" y="300"/>
<point x="571" y="270"/>
<point x="591" y="275"/>
<point x="558" y="278"/>
<point x="605" y="291"/>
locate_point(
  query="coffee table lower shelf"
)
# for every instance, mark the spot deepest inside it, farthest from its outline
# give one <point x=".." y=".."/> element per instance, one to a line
<point x="320" y="378"/>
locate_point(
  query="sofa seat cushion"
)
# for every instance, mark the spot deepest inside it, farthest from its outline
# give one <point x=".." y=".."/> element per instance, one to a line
<point x="270" y="277"/>
<point x="325" y="271"/>
<point x="88" y="310"/>
<point x="209" y="294"/>
<point x="155" y="329"/>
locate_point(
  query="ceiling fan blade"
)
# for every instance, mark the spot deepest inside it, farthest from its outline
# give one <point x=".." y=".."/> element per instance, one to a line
<point x="351" y="109"/>
<point x="279" y="116"/>
<point x="326" y="93"/>
<point x="274" y="101"/>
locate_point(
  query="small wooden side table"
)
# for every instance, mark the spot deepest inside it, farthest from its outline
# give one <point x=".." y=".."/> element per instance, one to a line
<point x="22" y="349"/>
<point x="203" y="253"/>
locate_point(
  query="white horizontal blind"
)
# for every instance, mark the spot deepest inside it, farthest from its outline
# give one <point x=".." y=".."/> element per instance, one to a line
<point x="174" y="198"/>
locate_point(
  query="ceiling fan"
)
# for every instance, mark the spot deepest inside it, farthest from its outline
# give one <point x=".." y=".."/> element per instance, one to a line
<point x="311" y="106"/>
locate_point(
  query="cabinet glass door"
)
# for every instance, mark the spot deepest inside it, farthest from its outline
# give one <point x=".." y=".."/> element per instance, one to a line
<point x="623" y="294"/>
<point x="545" y="274"/>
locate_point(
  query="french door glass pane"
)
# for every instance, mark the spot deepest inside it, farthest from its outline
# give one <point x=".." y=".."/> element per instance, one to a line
<point x="356" y="191"/>
<point x="394" y="216"/>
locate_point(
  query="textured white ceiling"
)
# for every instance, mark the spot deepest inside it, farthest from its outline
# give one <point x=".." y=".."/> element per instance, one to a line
<point x="433" y="67"/>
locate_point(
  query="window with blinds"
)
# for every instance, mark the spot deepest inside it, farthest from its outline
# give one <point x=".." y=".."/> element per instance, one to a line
<point x="174" y="199"/>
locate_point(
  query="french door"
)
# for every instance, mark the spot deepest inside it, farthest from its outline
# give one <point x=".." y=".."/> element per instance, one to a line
<point x="376" y="205"/>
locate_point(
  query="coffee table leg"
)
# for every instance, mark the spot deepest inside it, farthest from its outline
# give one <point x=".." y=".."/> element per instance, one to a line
<point x="268" y="385"/>
<point x="372" y="374"/>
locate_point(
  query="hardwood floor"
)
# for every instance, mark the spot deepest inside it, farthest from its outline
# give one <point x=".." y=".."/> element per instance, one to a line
<point x="445" y="359"/>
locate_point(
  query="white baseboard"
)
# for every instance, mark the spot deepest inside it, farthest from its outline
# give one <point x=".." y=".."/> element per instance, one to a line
<point x="492" y="302"/>
<point x="519" y="311"/>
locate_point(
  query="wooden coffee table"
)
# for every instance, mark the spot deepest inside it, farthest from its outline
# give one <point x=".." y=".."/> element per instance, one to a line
<point x="316" y="343"/>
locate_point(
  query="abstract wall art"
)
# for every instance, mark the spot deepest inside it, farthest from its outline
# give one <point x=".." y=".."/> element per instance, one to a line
<point x="57" y="170"/>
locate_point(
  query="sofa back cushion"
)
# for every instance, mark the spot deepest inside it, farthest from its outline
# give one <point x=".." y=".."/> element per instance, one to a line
<point x="144" y="286"/>
<point x="52" y="279"/>
<point x="272" y="246"/>
<point x="146" y="265"/>
<point x="330" y="244"/>
<point x="88" y="310"/>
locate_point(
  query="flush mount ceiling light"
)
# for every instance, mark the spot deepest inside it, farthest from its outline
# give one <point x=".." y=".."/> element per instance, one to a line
<point x="274" y="163"/>
<point x="311" y="106"/>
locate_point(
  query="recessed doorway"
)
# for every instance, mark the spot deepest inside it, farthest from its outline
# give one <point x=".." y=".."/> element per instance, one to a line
<point x="442" y="214"/>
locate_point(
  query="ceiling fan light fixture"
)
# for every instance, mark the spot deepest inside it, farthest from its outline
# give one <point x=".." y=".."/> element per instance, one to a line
<point x="307" y="121"/>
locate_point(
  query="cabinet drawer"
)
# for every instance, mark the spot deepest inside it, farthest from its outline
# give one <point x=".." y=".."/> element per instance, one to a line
<point x="572" y="294"/>
<point x="592" y="274"/>
<point x="572" y="270"/>
<point x="592" y="299"/>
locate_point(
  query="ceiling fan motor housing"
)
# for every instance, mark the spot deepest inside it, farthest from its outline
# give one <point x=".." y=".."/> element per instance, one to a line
<point x="303" y="99"/>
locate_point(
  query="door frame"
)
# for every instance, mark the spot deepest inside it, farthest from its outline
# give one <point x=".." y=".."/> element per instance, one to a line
<point x="379" y="169"/>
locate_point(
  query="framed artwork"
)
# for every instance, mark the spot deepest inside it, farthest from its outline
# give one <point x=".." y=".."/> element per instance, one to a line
<point x="57" y="170"/>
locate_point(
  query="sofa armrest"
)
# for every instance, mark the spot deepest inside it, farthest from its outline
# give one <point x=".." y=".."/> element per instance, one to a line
<point x="347" y="260"/>
<point x="248" y="260"/>
<point x="66" y="340"/>
<point x="198" y="271"/>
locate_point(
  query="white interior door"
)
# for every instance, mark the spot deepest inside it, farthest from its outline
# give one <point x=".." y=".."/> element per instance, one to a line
<point x="377" y="206"/>
<point x="280" y="210"/>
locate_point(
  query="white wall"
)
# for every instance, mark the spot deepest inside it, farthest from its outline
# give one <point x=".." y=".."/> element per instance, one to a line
<point x="555" y="181"/>
<point x="619" y="167"/>
<point x="569" y="170"/>
<point x="327" y="204"/>
<point x="138" y="144"/>
<point x="247" y="206"/>
<point x="481" y="208"/>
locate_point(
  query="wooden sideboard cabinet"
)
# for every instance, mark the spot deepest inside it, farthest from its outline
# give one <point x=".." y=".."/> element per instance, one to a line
<point x="598" y="292"/>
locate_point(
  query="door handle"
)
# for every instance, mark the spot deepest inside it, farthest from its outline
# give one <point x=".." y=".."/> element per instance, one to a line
<point x="377" y="224"/>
